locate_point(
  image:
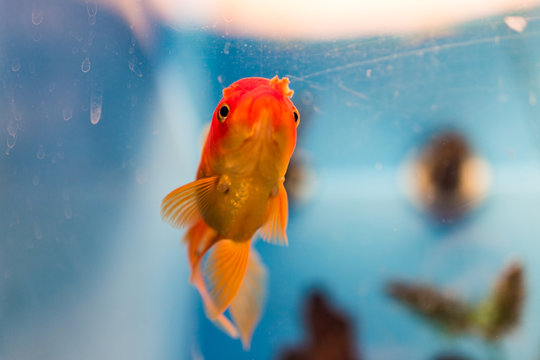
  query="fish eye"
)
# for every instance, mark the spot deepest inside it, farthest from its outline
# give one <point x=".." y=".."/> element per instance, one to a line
<point x="223" y="113"/>
<point x="296" y="117"/>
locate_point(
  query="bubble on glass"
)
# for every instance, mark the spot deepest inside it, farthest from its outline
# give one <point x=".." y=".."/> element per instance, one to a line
<point x="220" y="79"/>
<point x="37" y="15"/>
<point x="67" y="114"/>
<point x="52" y="86"/>
<point x="516" y="23"/>
<point x="92" y="20"/>
<point x="65" y="195"/>
<point x="134" y="67"/>
<point x="35" y="180"/>
<point x="15" y="65"/>
<point x="68" y="213"/>
<point x="96" y="104"/>
<point x="368" y="73"/>
<point x="76" y="36"/>
<point x="133" y="101"/>
<point x="40" y="155"/>
<point x="11" y="141"/>
<point x="226" y="48"/>
<point x="86" y="65"/>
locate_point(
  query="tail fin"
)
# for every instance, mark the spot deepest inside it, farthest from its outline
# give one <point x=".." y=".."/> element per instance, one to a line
<point x="246" y="307"/>
<point x="200" y="237"/>
<point x="235" y="276"/>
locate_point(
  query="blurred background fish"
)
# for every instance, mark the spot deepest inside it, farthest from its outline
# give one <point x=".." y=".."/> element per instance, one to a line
<point x="492" y="318"/>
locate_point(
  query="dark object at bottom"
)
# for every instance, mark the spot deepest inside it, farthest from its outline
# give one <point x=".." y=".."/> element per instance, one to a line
<point x="329" y="333"/>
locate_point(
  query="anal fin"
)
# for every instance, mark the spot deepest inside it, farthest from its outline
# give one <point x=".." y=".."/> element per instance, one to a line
<point x="224" y="271"/>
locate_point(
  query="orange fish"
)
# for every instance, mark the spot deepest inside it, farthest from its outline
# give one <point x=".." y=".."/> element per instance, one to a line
<point x="238" y="193"/>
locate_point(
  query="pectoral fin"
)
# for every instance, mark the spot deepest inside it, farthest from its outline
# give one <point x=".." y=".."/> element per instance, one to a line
<point x="246" y="308"/>
<point x="274" y="229"/>
<point x="224" y="271"/>
<point x="181" y="207"/>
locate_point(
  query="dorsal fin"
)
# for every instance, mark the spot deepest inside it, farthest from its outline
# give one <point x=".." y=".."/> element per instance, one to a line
<point x="281" y="86"/>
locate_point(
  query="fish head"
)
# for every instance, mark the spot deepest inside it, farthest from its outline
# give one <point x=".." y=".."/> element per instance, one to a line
<point x="256" y="116"/>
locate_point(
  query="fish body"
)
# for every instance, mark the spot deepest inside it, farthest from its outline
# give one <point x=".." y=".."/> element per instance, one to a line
<point x="238" y="192"/>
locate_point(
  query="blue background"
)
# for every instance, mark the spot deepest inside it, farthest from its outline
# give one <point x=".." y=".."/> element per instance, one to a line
<point x="88" y="269"/>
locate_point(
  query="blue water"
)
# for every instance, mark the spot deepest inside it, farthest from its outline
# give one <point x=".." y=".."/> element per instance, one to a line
<point x="88" y="269"/>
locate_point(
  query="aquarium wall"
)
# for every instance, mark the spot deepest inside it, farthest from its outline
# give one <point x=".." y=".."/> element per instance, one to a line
<point x="413" y="190"/>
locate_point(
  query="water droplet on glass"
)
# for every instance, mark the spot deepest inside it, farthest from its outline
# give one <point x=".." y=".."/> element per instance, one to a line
<point x="15" y="64"/>
<point x="17" y="116"/>
<point x="226" y="48"/>
<point x="92" y="20"/>
<point x="91" y="8"/>
<point x="86" y="65"/>
<point x="68" y="213"/>
<point x="11" y="141"/>
<point x="67" y="113"/>
<point x="133" y="101"/>
<point x="37" y="232"/>
<point x="40" y="155"/>
<point x="36" y="36"/>
<point x="306" y="97"/>
<point x="37" y="16"/>
<point x="134" y="67"/>
<point x="91" y="37"/>
<point x="96" y="102"/>
<point x="141" y="176"/>
<point x="12" y="128"/>
<point x="52" y="86"/>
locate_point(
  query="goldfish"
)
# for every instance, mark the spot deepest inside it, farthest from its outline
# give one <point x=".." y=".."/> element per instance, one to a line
<point x="237" y="196"/>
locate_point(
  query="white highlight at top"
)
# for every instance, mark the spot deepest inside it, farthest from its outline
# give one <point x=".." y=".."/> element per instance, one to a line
<point x="516" y="23"/>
